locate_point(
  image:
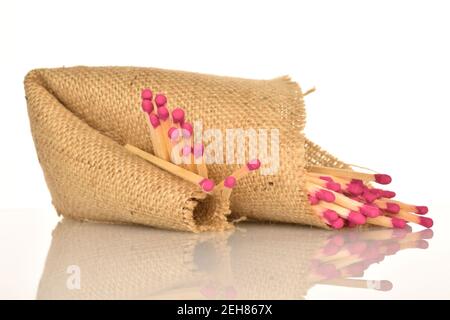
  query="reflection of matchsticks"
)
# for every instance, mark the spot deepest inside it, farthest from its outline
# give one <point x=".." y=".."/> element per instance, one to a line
<point x="381" y="285"/>
<point x="207" y="185"/>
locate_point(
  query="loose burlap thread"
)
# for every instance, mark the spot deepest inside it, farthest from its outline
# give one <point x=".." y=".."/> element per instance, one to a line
<point x="81" y="117"/>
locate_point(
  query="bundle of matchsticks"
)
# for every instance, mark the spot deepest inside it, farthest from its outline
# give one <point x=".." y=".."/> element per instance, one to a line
<point x="175" y="152"/>
<point x="343" y="197"/>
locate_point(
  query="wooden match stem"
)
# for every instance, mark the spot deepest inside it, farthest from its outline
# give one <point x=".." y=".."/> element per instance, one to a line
<point x="167" y="166"/>
<point x="405" y="215"/>
<point x="382" y="221"/>
<point x="156" y="136"/>
<point x="340" y="199"/>
<point x="405" y="206"/>
<point x="344" y="173"/>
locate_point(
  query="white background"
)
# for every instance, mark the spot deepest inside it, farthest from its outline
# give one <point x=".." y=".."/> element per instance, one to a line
<point x="381" y="68"/>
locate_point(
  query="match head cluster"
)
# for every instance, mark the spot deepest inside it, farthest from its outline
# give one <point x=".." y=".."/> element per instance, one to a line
<point x="171" y="128"/>
<point x="357" y="202"/>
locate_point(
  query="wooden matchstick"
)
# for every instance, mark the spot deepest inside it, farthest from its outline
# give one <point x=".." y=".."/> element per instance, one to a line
<point x="330" y="217"/>
<point x="379" y="178"/>
<point x="199" y="159"/>
<point x="331" y="185"/>
<point x="387" y="206"/>
<point x="347" y="185"/>
<point x="240" y="173"/>
<point x="164" y="117"/>
<point x="411" y="208"/>
<point x="387" y="222"/>
<point x="187" y="132"/>
<point x="340" y="199"/>
<point x="206" y="185"/>
<point x="348" y="214"/>
<point x="156" y="135"/>
<point x="423" y="221"/>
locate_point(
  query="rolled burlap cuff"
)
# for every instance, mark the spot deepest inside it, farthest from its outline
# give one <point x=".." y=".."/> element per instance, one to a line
<point x="81" y="117"/>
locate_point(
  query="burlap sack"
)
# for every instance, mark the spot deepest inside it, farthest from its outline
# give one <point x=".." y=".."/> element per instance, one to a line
<point x="81" y="117"/>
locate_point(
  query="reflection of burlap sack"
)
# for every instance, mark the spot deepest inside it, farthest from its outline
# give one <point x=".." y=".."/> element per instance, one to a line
<point x="130" y="262"/>
<point x="286" y="249"/>
<point x="81" y="116"/>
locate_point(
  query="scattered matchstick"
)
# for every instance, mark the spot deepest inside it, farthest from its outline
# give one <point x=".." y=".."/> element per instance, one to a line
<point x="206" y="185"/>
<point x="252" y="165"/>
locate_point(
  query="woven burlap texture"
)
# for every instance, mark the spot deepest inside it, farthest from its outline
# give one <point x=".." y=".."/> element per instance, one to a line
<point x="81" y="117"/>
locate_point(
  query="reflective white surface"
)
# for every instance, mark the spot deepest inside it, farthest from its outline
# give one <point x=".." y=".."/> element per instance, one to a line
<point x="44" y="257"/>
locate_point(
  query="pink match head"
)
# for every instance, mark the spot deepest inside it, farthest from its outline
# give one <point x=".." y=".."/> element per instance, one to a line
<point x="357" y="181"/>
<point x="253" y="164"/>
<point x="147" y="94"/>
<point x="313" y="200"/>
<point x="147" y="106"/>
<point x="154" y="121"/>
<point x="369" y="211"/>
<point x="377" y="192"/>
<point x="186" y="151"/>
<point x="355" y="189"/>
<point x="229" y="182"/>
<point x="388" y="194"/>
<point x="178" y="115"/>
<point x="426" y="222"/>
<point x="421" y="209"/>
<point x="199" y="148"/>
<point x="163" y="113"/>
<point x="369" y="196"/>
<point x="398" y="223"/>
<point x="173" y="133"/>
<point x="187" y="130"/>
<point x="160" y="100"/>
<point x="333" y="186"/>
<point x="351" y="224"/>
<point x="330" y="215"/>
<point x="382" y="178"/>
<point x="338" y="224"/>
<point x="207" y="185"/>
<point x="325" y="195"/>
<point x="356" y="218"/>
<point x="392" y="207"/>
<point x="326" y="178"/>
